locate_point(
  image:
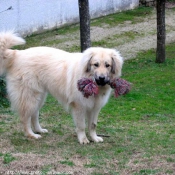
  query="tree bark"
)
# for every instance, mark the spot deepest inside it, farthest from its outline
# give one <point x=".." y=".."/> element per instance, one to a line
<point x="160" y="54"/>
<point x="84" y="24"/>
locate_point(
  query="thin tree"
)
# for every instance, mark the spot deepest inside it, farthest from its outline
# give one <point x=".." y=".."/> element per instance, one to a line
<point x="160" y="54"/>
<point x="84" y="24"/>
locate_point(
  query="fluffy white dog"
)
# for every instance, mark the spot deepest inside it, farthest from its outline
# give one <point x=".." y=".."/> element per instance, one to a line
<point x="34" y="72"/>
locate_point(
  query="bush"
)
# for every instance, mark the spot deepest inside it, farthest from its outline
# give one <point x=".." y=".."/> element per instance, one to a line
<point x="3" y="93"/>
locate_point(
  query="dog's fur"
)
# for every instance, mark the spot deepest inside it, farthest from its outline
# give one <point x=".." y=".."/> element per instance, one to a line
<point x="32" y="73"/>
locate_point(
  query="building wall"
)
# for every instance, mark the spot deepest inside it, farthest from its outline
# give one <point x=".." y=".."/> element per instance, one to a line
<point x="34" y="16"/>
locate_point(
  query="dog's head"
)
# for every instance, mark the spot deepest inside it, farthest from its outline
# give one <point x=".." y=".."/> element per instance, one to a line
<point x="102" y="64"/>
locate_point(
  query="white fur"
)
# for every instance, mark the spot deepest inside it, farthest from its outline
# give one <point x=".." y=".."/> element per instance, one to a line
<point x="32" y="73"/>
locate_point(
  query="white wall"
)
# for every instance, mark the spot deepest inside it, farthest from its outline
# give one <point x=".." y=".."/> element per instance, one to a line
<point x="31" y="16"/>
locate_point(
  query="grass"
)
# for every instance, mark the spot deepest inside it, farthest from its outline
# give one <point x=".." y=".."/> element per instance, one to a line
<point x="131" y="15"/>
<point x="140" y="126"/>
<point x="8" y="158"/>
<point x="123" y="38"/>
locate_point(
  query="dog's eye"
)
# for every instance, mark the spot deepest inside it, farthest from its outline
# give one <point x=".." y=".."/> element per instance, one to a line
<point x="96" y="65"/>
<point x="107" y="65"/>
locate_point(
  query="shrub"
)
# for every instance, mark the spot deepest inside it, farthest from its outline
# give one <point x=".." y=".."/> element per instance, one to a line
<point x="3" y="93"/>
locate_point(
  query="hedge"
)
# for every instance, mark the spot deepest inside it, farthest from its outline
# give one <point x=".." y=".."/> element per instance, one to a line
<point x="3" y="93"/>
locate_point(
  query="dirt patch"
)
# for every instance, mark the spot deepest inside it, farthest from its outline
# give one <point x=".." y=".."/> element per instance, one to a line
<point x="152" y="165"/>
<point x="146" y="37"/>
<point x="15" y="162"/>
<point x="53" y="163"/>
<point x="170" y="5"/>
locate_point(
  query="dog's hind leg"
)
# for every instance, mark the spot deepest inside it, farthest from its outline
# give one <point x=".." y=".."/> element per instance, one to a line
<point x="28" y="110"/>
<point x="27" y="101"/>
<point x="35" y="123"/>
<point x="26" y="121"/>
<point x="35" y="117"/>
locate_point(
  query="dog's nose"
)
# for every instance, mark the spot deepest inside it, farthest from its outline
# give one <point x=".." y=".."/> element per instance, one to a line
<point x="101" y="78"/>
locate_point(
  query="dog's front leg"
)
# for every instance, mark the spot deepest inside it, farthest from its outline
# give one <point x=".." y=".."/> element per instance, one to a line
<point x="78" y="114"/>
<point x="92" y="123"/>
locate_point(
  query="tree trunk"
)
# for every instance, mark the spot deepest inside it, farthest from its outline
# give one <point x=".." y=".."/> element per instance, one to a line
<point x="84" y="24"/>
<point x="160" y="55"/>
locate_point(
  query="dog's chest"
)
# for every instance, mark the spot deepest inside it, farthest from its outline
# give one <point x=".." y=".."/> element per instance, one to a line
<point x="103" y="97"/>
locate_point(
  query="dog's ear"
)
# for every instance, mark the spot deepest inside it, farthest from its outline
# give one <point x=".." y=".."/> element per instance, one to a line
<point x="113" y="66"/>
<point x="88" y="54"/>
<point x="88" y="67"/>
<point x="117" y="62"/>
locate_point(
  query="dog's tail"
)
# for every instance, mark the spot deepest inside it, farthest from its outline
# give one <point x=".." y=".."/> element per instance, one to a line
<point x="7" y="40"/>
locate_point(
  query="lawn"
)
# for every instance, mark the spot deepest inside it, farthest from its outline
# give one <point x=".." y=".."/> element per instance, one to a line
<point x="138" y="129"/>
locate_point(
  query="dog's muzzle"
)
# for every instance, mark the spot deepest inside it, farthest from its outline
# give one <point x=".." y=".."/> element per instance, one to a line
<point x="102" y="80"/>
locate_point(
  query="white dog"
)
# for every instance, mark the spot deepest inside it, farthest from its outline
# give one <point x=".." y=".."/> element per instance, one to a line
<point x="34" y="72"/>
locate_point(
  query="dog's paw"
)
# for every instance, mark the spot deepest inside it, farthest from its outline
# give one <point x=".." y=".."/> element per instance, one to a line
<point x="97" y="139"/>
<point x="82" y="137"/>
<point x="84" y="141"/>
<point x="43" y="131"/>
<point x="34" y="136"/>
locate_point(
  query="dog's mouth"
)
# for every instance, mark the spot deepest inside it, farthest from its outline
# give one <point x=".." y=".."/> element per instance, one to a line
<point x="102" y="81"/>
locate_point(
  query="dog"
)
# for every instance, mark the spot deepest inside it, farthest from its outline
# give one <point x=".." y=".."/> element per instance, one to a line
<point x="34" y="72"/>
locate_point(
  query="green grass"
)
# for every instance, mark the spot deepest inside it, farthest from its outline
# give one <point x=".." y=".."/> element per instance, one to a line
<point x="7" y="158"/>
<point x="65" y="162"/>
<point x="149" y="88"/>
<point x="139" y="123"/>
<point x="171" y="0"/>
<point x="49" y="38"/>
<point x="120" y="39"/>
<point x="131" y="15"/>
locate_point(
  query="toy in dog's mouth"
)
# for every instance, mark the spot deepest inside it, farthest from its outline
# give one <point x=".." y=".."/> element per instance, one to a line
<point x="89" y="87"/>
<point x="120" y="86"/>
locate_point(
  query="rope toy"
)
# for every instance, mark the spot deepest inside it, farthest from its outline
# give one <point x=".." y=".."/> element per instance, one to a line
<point x="120" y="86"/>
<point x="89" y="87"/>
